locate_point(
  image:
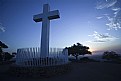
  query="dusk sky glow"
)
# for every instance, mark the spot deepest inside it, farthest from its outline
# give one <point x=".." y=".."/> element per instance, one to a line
<point x="93" y="23"/>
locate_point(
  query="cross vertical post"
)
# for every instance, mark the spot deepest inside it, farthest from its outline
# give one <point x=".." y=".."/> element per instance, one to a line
<point x="45" y="17"/>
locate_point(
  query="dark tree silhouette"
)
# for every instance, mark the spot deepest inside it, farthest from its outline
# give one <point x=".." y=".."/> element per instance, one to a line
<point x="14" y="54"/>
<point x="111" y="55"/>
<point x="7" y="56"/>
<point x="78" y="49"/>
<point x="2" y="45"/>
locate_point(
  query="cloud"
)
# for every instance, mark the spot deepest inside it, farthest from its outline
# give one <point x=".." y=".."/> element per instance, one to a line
<point x="99" y="17"/>
<point x="2" y="29"/>
<point x="116" y="9"/>
<point x="105" y="4"/>
<point x="102" y="37"/>
<point x="114" y="18"/>
<point x="114" y="23"/>
<point x="105" y="14"/>
<point x="96" y="41"/>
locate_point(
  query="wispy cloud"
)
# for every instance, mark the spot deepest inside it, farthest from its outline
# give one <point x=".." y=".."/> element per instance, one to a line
<point x="114" y="19"/>
<point x="117" y="12"/>
<point x="114" y="23"/>
<point x="99" y="17"/>
<point x="2" y="29"/>
<point x="102" y="37"/>
<point x="115" y="9"/>
<point x="105" y="4"/>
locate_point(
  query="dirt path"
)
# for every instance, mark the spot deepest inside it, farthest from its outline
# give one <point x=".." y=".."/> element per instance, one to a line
<point x="79" y="72"/>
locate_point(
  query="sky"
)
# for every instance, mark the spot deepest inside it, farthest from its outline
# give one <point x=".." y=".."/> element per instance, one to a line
<point x="93" y="23"/>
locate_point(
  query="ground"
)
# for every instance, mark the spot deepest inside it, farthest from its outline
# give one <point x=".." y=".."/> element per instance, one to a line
<point x="91" y="71"/>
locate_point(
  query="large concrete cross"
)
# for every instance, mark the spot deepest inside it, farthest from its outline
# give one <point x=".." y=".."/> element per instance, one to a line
<point x="45" y="18"/>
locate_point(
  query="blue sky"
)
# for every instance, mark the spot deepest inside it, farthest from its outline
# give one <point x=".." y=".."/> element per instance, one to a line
<point x="94" y="23"/>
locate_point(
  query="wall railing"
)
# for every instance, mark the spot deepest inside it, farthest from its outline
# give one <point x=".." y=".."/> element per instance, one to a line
<point x="32" y="57"/>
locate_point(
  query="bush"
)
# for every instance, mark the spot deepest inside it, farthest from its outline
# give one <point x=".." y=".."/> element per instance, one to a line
<point x="86" y="59"/>
<point x="111" y="55"/>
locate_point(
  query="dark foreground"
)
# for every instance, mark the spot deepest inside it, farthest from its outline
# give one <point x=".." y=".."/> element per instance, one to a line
<point x="92" y="71"/>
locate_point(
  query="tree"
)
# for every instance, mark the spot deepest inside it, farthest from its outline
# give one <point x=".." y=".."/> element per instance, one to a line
<point x="14" y="54"/>
<point x="7" y="56"/>
<point x="111" y="55"/>
<point x="2" y="45"/>
<point x="78" y="49"/>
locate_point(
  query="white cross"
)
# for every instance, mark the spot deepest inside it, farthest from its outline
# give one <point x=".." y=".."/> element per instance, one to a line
<point x="45" y="17"/>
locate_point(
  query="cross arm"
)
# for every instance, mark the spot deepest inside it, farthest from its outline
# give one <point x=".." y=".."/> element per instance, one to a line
<point x="53" y="15"/>
<point x="38" y="18"/>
